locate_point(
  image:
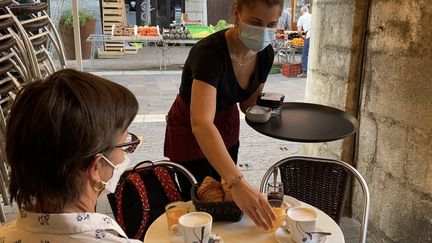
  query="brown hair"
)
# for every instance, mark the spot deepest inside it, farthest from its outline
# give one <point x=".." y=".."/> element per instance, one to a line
<point x="55" y="129"/>
<point x="251" y="3"/>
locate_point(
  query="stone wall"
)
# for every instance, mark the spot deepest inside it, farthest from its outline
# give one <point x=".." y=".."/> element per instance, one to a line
<point x="395" y="136"/>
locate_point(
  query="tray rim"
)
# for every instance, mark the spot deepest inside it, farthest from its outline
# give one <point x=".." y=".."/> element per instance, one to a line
<point x="286" y="105"/>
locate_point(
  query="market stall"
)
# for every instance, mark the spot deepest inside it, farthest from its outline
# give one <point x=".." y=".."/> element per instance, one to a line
<point x="287" y="45"/>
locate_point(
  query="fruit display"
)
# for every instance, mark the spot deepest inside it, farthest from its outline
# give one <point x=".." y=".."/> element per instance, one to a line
<point x="221" y="25"/>
<point x="187" y="32"/>
<point x="200" y="31"/>
<point x="200" y="35"/>
<point x="148" y="31"/>
<point x="280" y="34"/>
<point x="298" y="42"/>
<point x="123" y="30"/>
<point x="177" y="33"/>
<point x="292" y="35"/>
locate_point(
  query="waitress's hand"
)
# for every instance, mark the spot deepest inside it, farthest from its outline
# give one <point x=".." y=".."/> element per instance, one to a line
<point x="254" y="204"/>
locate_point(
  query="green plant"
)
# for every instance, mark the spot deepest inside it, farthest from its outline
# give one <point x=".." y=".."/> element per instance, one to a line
<point x="84" y="15"/>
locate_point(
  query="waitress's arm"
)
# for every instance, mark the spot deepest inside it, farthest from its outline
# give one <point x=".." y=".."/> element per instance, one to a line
<point x="252" y="99"/>
<point x="203" y="110"/>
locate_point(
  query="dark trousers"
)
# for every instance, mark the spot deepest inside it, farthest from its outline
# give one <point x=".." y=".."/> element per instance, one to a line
<point x="305" y="55"/>
<point x="200" y="169"/>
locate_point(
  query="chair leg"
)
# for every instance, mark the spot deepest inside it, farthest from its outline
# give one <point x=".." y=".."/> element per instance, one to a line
<point x="2" y="214"/>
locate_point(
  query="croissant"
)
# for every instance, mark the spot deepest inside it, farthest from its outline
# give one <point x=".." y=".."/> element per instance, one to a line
<point x="227" y="191"/>
<point x="210" y="191"/>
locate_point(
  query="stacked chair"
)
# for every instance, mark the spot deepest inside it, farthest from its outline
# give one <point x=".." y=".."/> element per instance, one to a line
<point x="36" y="29"/>
<point x="25" y="31"/>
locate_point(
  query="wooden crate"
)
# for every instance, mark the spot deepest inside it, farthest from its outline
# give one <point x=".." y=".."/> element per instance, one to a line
<point x="131" y="50"/>
<point x="113" y="5"/>
<point x="113" y="12"/>
<point x="291" y="70"/>
<point x="110" y="54"/>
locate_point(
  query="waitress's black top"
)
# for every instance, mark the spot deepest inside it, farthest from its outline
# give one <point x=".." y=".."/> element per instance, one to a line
<point x="209" y="61"/>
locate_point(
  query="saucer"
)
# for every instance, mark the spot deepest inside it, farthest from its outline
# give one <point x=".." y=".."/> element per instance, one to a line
<point x="283" y="236"/>
<point x="179" y="239"/>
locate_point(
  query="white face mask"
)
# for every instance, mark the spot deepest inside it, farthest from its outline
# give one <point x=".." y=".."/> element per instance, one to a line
<point x="111" y="184"/>
<point x="257" y="38"/>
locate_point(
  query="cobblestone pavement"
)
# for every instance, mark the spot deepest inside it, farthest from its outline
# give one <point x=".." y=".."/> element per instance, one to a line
<point x="156" y="91"/>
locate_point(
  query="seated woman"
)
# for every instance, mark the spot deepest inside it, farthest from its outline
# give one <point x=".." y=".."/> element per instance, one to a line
<point x="65" y="143"/>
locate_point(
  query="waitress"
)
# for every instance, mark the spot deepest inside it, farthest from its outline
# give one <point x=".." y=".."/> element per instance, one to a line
<point x="203" y="125"/>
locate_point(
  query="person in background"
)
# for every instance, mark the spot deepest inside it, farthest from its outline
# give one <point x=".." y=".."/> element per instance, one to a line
<point x="203" y="125"/>
<point x="304" y="25"/>
<point x="65" y="144"/>
<point x="285" y="19"/>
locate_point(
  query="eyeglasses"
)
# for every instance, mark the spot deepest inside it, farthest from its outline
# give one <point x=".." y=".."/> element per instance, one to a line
<point x="131" y="143"/>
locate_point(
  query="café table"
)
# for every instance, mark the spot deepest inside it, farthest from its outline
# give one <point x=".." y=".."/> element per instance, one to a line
<point x="309" y="123"/>
<point x="244" y="230"/>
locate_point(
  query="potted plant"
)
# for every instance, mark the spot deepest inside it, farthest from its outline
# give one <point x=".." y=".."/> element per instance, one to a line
<point x="87" y="26"/>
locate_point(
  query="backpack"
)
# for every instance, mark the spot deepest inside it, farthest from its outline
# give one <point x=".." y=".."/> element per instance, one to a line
<point x="141" y="196"/>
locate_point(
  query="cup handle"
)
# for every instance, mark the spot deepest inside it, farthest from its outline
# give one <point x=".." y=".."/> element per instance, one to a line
<point x="175" y="230"/>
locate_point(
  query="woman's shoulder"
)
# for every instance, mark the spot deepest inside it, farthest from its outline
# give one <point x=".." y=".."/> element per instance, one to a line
<point x="267" y="53"/>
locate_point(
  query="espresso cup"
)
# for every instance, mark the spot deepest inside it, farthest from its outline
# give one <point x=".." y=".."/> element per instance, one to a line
<point x="194" y="227"/>
<point x="300" y="222"/>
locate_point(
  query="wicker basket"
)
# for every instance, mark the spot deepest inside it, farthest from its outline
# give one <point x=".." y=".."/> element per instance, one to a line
<point x="220" y="211"/>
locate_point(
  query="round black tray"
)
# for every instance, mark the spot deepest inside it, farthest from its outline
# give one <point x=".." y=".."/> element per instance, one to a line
<point x="307" y="122"/>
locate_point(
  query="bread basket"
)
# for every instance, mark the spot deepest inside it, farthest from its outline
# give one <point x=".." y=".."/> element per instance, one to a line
<point x="220" y="211"/>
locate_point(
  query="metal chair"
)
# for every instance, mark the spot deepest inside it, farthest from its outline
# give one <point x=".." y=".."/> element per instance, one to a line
<point x="320" y="182"/>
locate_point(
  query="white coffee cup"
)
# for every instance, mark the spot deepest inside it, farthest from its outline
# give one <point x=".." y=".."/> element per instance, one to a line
<point x="194" y="227"/>
<point x="300" y="222"/>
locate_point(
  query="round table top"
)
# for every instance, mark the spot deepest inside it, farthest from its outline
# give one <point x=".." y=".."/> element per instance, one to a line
<point x="307" y="122"/>
<point x="244" y="230"/>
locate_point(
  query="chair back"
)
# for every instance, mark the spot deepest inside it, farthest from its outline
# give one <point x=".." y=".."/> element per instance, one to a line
<point x="320" y="182"/>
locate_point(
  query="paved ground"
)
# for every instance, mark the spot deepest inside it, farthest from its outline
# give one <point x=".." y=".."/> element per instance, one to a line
<point x="156" y="90"/>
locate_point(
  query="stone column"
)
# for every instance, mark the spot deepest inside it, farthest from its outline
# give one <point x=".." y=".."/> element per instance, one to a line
<point x="395" y="137"/>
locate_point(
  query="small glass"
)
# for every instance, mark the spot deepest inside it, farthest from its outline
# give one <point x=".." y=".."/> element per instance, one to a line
<point x="279" y="208"/>
<point x="275" y="191"/>
<point x="175" y="210"/>
<point x="275" y="112"/>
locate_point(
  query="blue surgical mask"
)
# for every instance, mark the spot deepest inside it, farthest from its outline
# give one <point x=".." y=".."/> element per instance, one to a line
<point x="257" y="38"/>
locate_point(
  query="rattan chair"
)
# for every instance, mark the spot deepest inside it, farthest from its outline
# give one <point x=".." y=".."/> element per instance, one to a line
<point x="11" y="42"/>
<point x="37" y="28"/>
<point x="320" y="182"/>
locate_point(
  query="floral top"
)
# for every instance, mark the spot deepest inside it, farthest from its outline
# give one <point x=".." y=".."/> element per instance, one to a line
<point x="63" y="227"/>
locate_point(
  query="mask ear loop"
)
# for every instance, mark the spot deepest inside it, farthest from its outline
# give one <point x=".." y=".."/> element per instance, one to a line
<point x="98" y="186"/>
